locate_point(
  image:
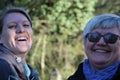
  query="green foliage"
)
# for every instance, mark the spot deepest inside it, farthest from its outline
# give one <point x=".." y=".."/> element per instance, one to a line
<point x="107" y="6"/>
<point x="58" y="25"/>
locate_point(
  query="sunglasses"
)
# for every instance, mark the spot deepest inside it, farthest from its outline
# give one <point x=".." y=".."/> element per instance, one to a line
<point x="108" y="38"/>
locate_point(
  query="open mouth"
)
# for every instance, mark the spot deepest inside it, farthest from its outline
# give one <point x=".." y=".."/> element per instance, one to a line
<point x="102" y="51"/>
<point x="21" y="38"/>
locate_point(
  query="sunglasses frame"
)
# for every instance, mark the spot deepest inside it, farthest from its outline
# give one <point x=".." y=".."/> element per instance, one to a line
<point x="111" y="36"/>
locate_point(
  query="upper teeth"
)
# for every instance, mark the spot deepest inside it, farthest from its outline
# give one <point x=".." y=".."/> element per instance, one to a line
<point x="100" y="51"/>
<point x="21" y="38"/>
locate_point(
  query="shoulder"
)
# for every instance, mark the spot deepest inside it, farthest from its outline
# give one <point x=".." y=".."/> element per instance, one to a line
<point x="4" y="65"/>
<point x="5" y="70"/>
<point x="78" y="75"/>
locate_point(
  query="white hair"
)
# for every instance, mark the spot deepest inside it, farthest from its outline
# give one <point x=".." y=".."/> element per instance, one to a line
<point x="102" y="21"/>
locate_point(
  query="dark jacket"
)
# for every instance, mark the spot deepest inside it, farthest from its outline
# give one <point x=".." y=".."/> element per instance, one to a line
<point x="10" y="69"/>
<point x="79" y="75"/>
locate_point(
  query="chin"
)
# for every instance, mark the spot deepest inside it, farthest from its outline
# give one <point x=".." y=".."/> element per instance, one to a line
<point x="23" y="51"/>
<point x="99" y="61"/>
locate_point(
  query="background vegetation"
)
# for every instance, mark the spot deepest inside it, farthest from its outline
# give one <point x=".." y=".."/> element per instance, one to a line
<point x="58" y="25"/>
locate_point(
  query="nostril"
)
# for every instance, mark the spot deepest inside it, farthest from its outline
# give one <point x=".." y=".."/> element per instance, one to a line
<point x="20" y="30"/>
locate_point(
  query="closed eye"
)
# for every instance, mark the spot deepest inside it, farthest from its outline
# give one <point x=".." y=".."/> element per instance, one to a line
<point x="26" y="25"/>
<point x="12" y="26"/>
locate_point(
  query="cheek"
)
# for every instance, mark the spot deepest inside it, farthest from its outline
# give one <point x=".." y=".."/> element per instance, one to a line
<point x="8" y="35"/>
<point x="30" y="32"/>
<point x="88" y="47"/>
<point x="5" y="36"/>
<point x="31" y="36"/>
<point x="116" y="48"/>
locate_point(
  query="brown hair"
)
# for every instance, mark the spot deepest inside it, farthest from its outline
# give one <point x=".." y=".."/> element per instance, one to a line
<point x="10" y="9"/>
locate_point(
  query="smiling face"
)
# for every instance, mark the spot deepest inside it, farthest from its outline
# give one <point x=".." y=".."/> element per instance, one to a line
<point x="17" y="33"/>
<point x="101" y="54"/>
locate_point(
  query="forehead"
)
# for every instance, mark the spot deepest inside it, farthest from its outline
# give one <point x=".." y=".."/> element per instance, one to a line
<point x="107" y="30"/>
<point x="14" y="16"/>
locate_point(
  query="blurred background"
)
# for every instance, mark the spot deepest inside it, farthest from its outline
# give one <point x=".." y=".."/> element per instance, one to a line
<point x="58" y="25"/>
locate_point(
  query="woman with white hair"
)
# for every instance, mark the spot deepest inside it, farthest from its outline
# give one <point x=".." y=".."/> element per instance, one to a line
<point x="102" y="48"/>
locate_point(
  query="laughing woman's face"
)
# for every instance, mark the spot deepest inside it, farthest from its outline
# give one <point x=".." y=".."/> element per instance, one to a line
<point x="100" y="53"/>
<point x="17" y="34"/>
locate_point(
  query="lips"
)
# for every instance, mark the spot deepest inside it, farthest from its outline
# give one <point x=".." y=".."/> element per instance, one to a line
<point x="101" y="50"/>
<point x="21" y="38"/>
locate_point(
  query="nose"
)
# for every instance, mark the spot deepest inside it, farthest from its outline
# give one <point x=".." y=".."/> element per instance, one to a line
<point x="101" y="41"/>
<point x="20" y="29"/>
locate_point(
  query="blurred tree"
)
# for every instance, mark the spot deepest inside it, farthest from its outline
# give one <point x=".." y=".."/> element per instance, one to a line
<point x="107" y="6"/>
<point x="59" y="26"/>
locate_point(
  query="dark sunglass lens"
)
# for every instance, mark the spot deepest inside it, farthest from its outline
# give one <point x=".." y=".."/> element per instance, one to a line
<point x="110" y="38"/>
<point x="93" y="37"/>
